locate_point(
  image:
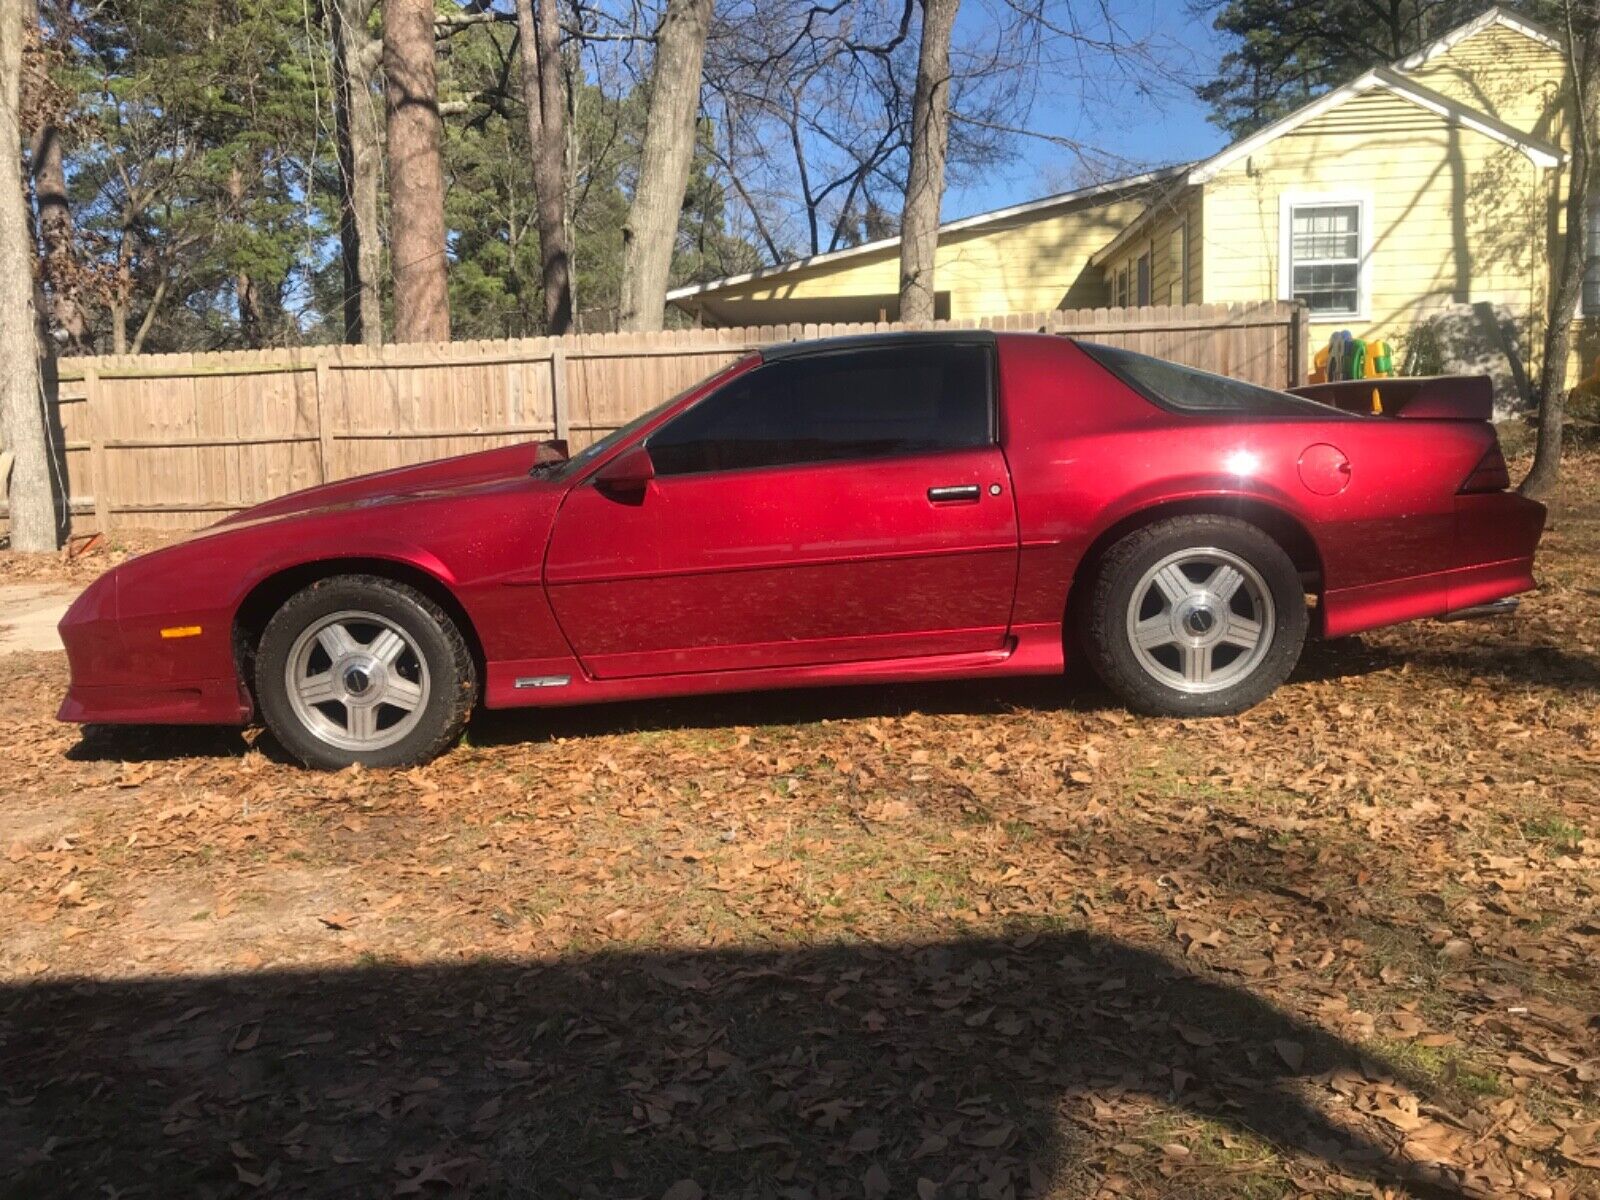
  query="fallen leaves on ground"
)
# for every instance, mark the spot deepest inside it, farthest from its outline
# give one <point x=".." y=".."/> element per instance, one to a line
<point x="975" y="940"/>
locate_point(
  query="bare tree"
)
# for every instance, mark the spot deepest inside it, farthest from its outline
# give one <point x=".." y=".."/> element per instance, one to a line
<point x="22" y="425"/>
<point x="359" y="132"/>
<point x="544" y="97"/>
<point x="416" y="174"/>
<point x="1582" y="23"/>
<point x="930" y="140"/>
<point x="60" y="271"/>
<point x="651" y="229"/>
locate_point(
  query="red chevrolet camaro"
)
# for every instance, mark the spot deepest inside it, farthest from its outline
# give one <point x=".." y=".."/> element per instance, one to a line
<point x="885" y="508"/>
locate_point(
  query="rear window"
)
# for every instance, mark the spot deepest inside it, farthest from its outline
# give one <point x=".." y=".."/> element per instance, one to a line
<point x="1186" y="390"/>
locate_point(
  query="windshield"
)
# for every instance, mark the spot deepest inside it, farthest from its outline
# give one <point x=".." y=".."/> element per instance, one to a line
<point x="595" y="449"/>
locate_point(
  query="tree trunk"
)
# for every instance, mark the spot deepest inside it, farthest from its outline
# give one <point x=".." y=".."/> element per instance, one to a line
<point x="251" y="325"/>
<point x="416" y="174"/>
<point x="544" y="97"/>
<point x="49" y="194"/>
<point x="651" y="230"/>
<point x="1583" y="66"/>
<point x="359" y="134"/>
<point x="22" y="424"/>
<point x="930" y="138"/>
<point x="56" y="233"/>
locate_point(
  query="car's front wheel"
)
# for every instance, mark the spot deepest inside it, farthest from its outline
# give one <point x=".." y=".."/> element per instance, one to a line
<point x="361" y="669"/>
<point x="1195" y="616"/>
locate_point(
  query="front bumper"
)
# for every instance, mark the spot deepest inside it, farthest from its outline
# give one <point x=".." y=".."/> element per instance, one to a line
<point x="205" y="702"/>
<point x="124" y="672"/>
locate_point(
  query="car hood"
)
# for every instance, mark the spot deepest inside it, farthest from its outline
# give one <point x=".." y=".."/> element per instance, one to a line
<point x="444" y="476"/>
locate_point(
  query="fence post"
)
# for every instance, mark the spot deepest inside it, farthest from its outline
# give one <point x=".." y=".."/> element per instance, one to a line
<point x="324" y="425"/>
<point x="1300" y="346"/>
<point x="97" y="449"/>
<point x="558" y="392"/>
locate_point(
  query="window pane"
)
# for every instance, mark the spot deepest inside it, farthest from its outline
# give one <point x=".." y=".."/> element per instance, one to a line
<point x="1328" y="288"/>
<point x="1326" y="232"/>
<point x="849" y="405"/>
<point x="1188" y="390"/>
<point x="1144" y="278"/>
<point x="1591" y="266"/>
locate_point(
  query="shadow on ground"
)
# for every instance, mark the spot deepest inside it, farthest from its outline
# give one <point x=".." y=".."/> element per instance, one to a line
<point x="1080" y="692"/>
<point x="978" y="1065"/>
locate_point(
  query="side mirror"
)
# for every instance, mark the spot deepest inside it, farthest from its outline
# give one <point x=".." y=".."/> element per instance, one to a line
<point x="629" y="471"/>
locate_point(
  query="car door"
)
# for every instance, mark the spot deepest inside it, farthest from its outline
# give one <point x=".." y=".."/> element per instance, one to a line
<point x="822" y="508"/>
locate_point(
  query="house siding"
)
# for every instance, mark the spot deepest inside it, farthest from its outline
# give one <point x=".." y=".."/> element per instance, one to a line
<point x="1034" y="263"/>
<point x="1504" y="73"/>
<point x="1456" y="217"/>
<point x="1179" y="210"/>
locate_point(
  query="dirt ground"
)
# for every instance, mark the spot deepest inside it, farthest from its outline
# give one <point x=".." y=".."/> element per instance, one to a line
<point x="978" y="940"/>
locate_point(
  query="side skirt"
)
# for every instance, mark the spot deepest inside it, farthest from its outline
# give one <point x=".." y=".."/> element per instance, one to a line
<point x="554" y="683"/>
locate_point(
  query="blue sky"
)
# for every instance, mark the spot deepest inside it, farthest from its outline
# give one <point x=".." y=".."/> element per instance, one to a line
<point x="1160" y="122"/>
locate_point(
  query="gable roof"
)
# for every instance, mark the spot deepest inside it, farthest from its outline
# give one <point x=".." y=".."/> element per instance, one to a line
<point x="1540" y="152"/>
<point x="978" y="221"/>
<point x="1452" y="39"/>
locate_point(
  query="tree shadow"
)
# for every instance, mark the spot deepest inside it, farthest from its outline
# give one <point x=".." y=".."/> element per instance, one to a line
<point x="976" y="1064"/>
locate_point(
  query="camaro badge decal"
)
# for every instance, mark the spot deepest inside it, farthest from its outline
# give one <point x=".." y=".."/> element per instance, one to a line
<point x="538" y="681"/>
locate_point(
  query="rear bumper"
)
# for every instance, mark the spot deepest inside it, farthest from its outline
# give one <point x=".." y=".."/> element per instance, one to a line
<point x="1496" y="534"/>
<point x="202" y="702"/>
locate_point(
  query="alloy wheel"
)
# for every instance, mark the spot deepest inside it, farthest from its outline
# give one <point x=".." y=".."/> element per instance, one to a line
<point x="357" y="680"/>
<point x="1200" y="620"/>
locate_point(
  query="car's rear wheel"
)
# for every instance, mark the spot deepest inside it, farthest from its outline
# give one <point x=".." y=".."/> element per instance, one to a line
<point x="1195" y="616"/>
<point x="361" y="669"/>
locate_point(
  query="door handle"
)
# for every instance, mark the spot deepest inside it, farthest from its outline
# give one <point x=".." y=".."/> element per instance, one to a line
<point x="957" y="493"/>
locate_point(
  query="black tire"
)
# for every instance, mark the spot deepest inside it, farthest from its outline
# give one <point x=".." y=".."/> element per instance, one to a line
<point x="451" y="673"/>
<point x="1108" y="642"/>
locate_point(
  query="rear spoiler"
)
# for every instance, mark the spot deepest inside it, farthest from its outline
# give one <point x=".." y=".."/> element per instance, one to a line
<point x="1439" y="397"/>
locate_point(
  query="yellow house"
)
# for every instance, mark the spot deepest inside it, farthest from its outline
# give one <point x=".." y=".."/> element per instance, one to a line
<point x="1412" y="196"/>
<point x="1027" y="258"/>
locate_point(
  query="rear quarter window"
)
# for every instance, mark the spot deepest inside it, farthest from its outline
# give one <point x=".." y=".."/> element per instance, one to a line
<point x="1186" y="390"/>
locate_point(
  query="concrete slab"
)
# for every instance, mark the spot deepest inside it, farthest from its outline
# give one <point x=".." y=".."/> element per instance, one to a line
<point x="29" y="613"/>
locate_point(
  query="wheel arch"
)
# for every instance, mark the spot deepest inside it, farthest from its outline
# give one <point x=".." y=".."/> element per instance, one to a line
<point x="268" y="594"/>
<point x="1277" y="523"/>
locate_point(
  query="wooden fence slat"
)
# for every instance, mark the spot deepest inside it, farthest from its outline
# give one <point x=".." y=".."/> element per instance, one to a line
<point x="558" y="393"/>
<point x="176" y="439"/>
<point x="97" y="449"/>
<point x="324" y="422"/>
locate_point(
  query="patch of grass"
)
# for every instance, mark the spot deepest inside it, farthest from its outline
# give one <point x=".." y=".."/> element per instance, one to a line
<point x="1020" y="831"/>
<point x="1449" y="1068"/>
<point x="1554" y="830"/>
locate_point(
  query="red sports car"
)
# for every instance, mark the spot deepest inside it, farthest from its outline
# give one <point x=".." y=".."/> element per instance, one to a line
<point x="875" y="509"/>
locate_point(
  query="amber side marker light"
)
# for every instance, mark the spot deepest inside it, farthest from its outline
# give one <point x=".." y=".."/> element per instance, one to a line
<point x="181" y="631"/>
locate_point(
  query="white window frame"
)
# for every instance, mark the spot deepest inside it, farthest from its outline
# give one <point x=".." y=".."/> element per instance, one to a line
<point x="1287" y="203"/>
<point x="1592" y="252"/>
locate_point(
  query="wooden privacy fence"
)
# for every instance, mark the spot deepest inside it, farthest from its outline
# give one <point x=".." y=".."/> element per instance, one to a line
<point x="179" y="440"/>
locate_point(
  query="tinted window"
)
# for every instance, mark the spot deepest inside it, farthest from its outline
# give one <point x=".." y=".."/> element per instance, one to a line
<point x="1187" y="390"/>
<point x="849" y="405"/>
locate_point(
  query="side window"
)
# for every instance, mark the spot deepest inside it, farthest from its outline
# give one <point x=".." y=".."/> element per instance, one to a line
<point x="857" y="404"/>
